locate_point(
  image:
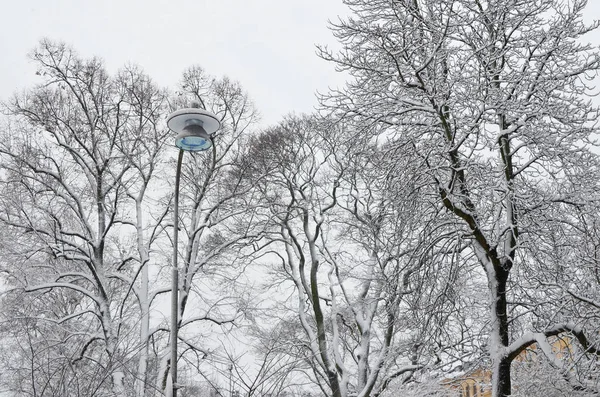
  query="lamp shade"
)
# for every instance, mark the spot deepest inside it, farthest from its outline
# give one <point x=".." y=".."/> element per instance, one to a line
<point x="194" y="127"/>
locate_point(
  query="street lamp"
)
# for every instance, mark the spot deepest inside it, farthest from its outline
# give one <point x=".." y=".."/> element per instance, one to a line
<point x="194" y="127"/>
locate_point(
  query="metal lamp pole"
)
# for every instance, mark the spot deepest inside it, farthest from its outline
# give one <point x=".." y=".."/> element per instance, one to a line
<point x="194" y="127"/>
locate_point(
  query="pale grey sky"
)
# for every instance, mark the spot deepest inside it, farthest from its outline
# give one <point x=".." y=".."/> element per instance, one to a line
<point x="267" y="45"/>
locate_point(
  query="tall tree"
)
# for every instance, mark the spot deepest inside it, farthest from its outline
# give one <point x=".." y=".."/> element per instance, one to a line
<point x="491" y="94"/>
<point x="79" y="158"/>
<point x="63" y="160"/>
<point x="216" y="208"/>
<point x="352" y="240"/>
<point x="84" y="164"/>
<point x="142" y="143"/>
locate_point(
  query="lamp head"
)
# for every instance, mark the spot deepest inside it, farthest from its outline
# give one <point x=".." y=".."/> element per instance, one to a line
<point x="194" y="127"/>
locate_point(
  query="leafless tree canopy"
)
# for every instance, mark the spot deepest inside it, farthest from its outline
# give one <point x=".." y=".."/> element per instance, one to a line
<point x="437" y="216"/>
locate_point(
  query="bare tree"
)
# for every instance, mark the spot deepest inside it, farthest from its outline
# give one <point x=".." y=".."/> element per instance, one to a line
<point x="216" y="209"/>
<point x="350" y="240"/>
<point x="142" y="145"/>
<point x="258" y="363"/>
<point x="492" y="97"/>
<point x="76" y="149"/>
<point x="39" y="352"/>
<point x="84" y="168"/>
<point x="63" y="160"/>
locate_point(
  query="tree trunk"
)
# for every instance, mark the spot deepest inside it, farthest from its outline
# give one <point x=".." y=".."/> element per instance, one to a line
<point x="501" y="382"/>
<point x="140" y="387"/>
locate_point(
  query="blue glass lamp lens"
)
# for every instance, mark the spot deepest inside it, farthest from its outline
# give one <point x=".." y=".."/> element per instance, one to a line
<point x="193" y="143"/>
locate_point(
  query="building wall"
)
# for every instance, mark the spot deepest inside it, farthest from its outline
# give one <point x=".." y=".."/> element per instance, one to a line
<point x="478" y="382"/>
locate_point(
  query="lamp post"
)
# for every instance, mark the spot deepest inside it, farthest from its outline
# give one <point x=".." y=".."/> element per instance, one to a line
<point x="194" y="127"/>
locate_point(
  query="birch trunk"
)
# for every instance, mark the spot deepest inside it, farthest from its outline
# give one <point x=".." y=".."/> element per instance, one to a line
<point x="141" y="378"/>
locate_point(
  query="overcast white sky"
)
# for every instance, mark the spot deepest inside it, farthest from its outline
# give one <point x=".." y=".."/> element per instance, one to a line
<point x="267" y="45"/>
